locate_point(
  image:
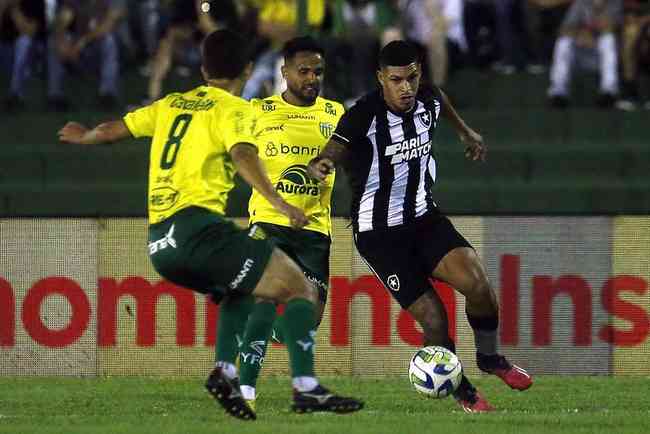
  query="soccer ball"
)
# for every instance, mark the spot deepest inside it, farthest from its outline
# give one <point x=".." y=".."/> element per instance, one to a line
<point x="435" y="372"/>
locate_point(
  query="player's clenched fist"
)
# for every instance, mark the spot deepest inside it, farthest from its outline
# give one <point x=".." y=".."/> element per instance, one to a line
<point x="72" y="132"/>
<point x="296" y="216"/>
<point x="319" y="168"/>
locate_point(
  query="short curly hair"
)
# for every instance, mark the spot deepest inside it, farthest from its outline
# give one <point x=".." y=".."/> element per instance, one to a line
<point x="225" y="54"/>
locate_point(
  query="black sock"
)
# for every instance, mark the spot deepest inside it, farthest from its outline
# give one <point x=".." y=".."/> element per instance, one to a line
<point x="485" y="333"/>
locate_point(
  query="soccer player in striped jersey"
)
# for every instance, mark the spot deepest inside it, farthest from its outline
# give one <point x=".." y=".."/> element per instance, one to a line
<point x="199" y="139"/>
<point x="385" y="144"/>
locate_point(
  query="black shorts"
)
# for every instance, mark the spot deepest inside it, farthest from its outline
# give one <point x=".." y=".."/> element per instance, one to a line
<point x="201" y="250"/>
<point x="310" y="250"/>
<point x="404" y="257"/>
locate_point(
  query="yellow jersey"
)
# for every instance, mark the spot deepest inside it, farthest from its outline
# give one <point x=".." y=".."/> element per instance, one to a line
<point x="288" y="137"/>
<point x="192" y="134"/>
<point x="286" y="11"/>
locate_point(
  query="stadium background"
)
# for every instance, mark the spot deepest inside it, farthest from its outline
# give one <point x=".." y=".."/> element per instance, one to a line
<point x="559" y="214"/>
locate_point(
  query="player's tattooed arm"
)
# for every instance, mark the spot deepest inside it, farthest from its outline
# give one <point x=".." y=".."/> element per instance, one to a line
<point x="108" y="132"/>
<point x="248" y="165"/>
<point x="475" y="148"/>
<point x="321" y="166"/>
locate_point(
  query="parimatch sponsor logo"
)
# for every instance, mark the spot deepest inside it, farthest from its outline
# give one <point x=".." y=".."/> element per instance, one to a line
<point x="408" y="149"/>
<point x="295" y="180"/>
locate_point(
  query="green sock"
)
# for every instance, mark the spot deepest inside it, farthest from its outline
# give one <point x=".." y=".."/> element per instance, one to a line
<point x="253" y="349"/>
<point x="299" y="336"/>
<point x="233" y="314"/>
<point x="278" y="329"/>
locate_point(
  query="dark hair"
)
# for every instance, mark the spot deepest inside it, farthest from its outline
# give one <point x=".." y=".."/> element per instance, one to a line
<point x="225" y="54"/>
<point x="398" y="53"/>
<point x="301" y="43"/>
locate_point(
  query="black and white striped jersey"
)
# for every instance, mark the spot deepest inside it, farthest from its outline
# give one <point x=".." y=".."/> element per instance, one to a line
<point x="390" y="163"/>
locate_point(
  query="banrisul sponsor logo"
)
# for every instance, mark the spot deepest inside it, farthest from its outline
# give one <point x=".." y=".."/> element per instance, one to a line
<point x="273" y="150"/>
<point x="294" y="180"/>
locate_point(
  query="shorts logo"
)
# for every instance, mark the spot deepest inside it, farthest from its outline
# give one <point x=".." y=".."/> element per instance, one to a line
<point x="393" y="282"/>
<point x="248" y="264"/>
<point x="164" y="242"/>
<point x="257" y="233"/>
<point x="319" y="284"/>
<point x="258" y="346"/>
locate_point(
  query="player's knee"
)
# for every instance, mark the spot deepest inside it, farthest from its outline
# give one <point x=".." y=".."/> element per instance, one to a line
<point x="294" y="283"/>
<point x="303" y="288"/>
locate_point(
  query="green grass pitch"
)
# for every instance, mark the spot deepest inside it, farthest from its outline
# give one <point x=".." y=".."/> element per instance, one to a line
<point x="140" y="405"/>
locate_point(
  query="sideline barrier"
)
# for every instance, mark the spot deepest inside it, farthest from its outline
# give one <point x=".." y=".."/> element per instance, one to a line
<point x="79" y="297"/>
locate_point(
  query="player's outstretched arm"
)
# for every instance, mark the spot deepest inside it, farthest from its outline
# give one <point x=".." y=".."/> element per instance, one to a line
<point x="108" y="132"/>
<point x="475" y="148"/>
<point x="327" y="160"/>
<point x="249" y="166"/>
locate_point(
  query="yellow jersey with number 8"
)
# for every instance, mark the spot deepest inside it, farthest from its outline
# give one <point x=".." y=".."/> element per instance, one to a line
<point x="192" y="134"/>
<point x="288" y="137"/>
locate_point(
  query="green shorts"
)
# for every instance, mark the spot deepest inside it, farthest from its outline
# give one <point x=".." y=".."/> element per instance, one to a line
<point x="201" y="250"/>
<point x="310" y="250"/>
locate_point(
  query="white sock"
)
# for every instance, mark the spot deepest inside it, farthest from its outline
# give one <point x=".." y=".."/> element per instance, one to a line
<point x="561" y="67"/>
<point x="248" y="392"/>
<point x="229" y="369"/>
<point x="304" y="384"/>
<point x="608" y="62"/>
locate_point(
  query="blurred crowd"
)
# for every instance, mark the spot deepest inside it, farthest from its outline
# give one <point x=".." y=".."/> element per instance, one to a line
<point x="56" y="40"/>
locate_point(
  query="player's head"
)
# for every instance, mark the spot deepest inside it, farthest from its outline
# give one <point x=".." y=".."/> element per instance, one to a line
<point x="226" y="56"/>
<point x="399" y="74"/>
<point x="303" y="68"/>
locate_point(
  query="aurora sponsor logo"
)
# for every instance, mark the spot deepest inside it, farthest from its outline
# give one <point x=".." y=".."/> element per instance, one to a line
<point x="294" y="180"/>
